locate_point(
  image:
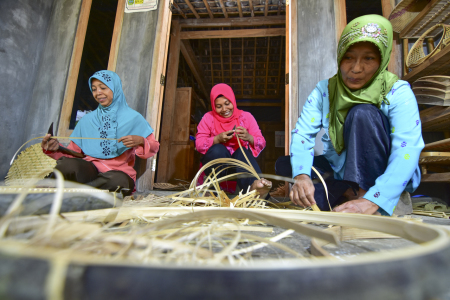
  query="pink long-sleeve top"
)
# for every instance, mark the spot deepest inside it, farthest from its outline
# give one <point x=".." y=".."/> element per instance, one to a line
<point x="123" y="162"/>
<point x="206" y="133"/>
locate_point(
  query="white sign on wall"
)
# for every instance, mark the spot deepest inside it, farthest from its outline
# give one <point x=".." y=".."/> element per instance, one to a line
<point x="140" y="5"/>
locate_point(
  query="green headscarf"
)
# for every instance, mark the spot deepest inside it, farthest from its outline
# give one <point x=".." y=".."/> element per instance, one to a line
<point x="369" y="28"/>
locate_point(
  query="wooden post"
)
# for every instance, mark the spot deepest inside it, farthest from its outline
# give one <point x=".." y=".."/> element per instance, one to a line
<point x="340" y="17"/>
<point x="69" y="94"/>
<point x="116" y="36"/>
<point x="405" y="55"/>
<point x="430" y="44"/>
<point x="156" y="89"/>
<point x="169" y="101"/>
<point x="395" y="64"/>
<point x="287" y="133"/>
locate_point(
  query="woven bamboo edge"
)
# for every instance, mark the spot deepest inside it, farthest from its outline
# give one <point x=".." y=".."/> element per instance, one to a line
<point x="431" y="239"/>
<point x="412" y="62"/>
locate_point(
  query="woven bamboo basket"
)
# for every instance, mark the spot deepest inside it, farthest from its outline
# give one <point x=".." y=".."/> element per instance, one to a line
<point x="32" y="163"/>
<point x="417" y="56"/>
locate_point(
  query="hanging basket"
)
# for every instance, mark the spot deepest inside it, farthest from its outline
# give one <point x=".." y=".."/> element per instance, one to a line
<point x="416" y="56"/>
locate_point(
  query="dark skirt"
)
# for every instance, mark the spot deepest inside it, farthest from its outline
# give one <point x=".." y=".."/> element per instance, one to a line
<point x="367" y="141"/>
<point x="220" y="151"/>
<point x="85" y="172"/>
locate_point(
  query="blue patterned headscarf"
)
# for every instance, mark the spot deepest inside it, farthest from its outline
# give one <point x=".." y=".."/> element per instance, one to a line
<point x="115" y="121"/>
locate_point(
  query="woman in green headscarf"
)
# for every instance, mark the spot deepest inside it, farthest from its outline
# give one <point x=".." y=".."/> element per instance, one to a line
<point x="373" y="137"/>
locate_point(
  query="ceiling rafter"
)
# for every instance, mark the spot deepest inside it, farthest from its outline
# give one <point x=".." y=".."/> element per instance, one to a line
<point x="179" y="9"/>
<point x="225" y="13"/>
<point x="188" y="3"/>
<point x="209" y="9"/>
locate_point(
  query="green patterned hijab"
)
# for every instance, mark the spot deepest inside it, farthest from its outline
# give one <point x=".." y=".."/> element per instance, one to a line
<point x="369" y="28"/>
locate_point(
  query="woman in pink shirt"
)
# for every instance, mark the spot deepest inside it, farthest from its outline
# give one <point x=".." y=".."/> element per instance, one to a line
<point x="108" y="163"/>
<point x="219" y="130"/>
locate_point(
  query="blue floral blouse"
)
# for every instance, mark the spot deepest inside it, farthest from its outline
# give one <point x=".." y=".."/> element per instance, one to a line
<point x="402" y="172"/>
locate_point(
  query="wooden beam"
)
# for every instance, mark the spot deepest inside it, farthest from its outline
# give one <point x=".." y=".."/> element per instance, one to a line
<point x="405" y="55"/>
<point x="195" y="67"/>
<point x="238" y="33"/>
<point x="240" y="8"/>
<point x="69" y="94"/>
<point x="436" y="177"/>
<point x="211" y="62"/>
<point x="395" y="64"/>
<point x="254" y="69"/>
<point x="233" y="22"/>
<point x="192" y="8"/>
<point x="250" y="3"/>
<point x="221" y="59"/>
<point x="293" y="67"/>
<point x="208" y="9"/>
<point x="279" y="8"/>
<point x="112" y="61"/>
<point x="287" y="133"/>
<point x="156" y="89"/>
<point x="340" y="13"/>
<point x="224" y="10"/>
<point x="267" y="62"/>
<point x="230" y="62"/>
<point x="280" y="84"/>
<point x="266" y="8"/>
<point x="169" y="101"/>
<point x="179" y="9"/>
<point x="242" y="65"/>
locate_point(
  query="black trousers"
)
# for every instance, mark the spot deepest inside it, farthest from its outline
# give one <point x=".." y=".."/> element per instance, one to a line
<point x="81" y="171"/>
<point x="368" y="145"/>
<point x="220" y="151"/>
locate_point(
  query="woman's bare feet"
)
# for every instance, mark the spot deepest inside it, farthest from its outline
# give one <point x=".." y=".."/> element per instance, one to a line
<point x="262" y="186"/>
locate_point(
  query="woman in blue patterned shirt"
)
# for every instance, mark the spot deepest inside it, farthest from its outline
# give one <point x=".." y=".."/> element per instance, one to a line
<point x="373" y="136"/>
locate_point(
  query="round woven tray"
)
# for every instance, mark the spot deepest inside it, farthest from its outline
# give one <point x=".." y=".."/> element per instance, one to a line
<point x="416" y="56"/>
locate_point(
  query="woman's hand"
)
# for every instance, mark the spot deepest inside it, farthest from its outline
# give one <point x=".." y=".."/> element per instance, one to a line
<point x="302" y="192"/>
<point x="358" y="206"/>
<point x="49" y="144"/>
<point x="223" y="137"/>
<point x="243" y="134"/>
<point x="132" y="141"/>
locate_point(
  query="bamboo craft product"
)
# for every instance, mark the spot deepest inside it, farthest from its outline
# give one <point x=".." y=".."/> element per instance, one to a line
<point x="76" y="267"/>
<point x="32" y="163"/>
<point x="432" y="90"/>
<point x="416" y="55"/>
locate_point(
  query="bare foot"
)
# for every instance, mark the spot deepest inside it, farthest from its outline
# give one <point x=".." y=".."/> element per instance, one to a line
<point x="262" y="186"/>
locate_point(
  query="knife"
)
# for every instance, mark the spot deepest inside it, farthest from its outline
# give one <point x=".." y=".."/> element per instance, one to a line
<point x="63" y="149"/>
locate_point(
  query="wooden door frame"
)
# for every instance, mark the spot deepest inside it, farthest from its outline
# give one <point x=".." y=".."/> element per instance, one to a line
<point x="77" y="52"/>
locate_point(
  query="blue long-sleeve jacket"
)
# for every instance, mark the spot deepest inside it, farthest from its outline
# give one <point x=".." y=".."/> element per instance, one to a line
<point x="402" y="172"/>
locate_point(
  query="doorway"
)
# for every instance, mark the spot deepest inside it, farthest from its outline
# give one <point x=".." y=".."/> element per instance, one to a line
<point x="243" y="46"/>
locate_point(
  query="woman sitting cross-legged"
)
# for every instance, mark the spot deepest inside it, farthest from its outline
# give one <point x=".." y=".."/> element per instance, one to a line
<point x="373" y="135"/>
<point x="216" y="138"/>
<point x="108" y="164"/>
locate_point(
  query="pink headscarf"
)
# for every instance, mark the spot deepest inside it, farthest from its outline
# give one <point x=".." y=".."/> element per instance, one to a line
<point x="222" y="124"/>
